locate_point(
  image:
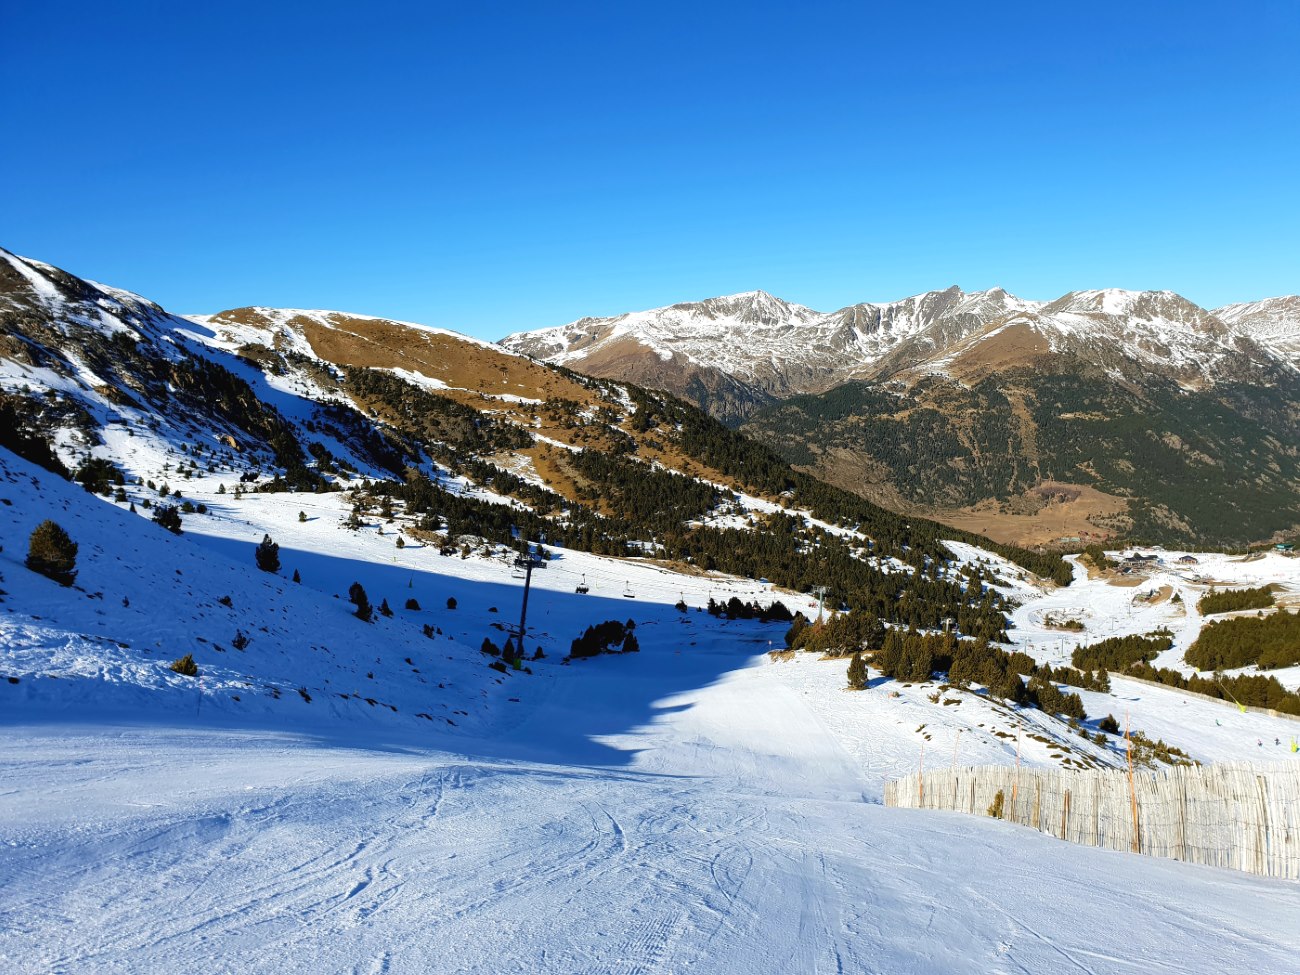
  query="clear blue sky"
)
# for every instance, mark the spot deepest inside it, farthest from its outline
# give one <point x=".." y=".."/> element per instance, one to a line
<point x="491" y="167"/>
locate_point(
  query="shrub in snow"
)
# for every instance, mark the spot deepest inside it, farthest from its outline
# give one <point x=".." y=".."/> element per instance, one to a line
<point x="168" y="517"/>
<point x="358" y="597"/>
<point x="451" y="602"/>
<point x="186" y="666"/>
<point x="384" y="607"/>
<point x="267" y="555"/>
<point x="52" y="553"/>
<point x="602" y="638"/>
<point x="413" y="604"/>
<point x="240" y="641"/>
<point x="995" y="808"/>
<point x="302" y="516"/>
<point x="490" y="648"/>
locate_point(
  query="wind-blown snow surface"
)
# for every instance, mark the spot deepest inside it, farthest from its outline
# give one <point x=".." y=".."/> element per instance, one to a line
<point x="696" y="806"/>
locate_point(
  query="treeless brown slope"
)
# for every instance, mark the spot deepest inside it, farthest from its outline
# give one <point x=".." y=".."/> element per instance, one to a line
<point x="379" y="344"/>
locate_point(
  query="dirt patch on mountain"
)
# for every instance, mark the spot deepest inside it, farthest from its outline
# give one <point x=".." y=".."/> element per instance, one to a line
<point x="1052" y="514"/>
<point x="999" y="349"/>
<point x="378" y="344"/>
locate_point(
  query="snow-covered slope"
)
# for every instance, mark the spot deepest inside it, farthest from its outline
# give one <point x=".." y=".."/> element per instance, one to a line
<point x="1273" y="323"/>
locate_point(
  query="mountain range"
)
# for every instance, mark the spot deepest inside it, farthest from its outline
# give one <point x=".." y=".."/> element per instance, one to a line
<point x="1099" y="413"/>
<point x="766" y="349"/>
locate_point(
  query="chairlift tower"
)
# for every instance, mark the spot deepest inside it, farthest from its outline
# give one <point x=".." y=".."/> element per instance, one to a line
<point x="821" y="592"/>
<point x="527" y="561"/>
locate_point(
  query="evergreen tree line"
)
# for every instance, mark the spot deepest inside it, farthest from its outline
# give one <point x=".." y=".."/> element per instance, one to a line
<point x="1268" y="641"/>
<point x="1098" y="680"/>
<point x="658" y="500"/>
<point x="782" y="556"/>
<point x="917" y="657"/>
<point x="25" y="428"/>
<point x="431" y="418"/>
<point x="1119" y="652"/>
<point x="761" y="470"/>
<point x="841" y="634"/>
<point x="610" y="636"/>
<point x="1254" y="690"/>
<point x="735" y="609"/>
<point x="1230" y="600"/>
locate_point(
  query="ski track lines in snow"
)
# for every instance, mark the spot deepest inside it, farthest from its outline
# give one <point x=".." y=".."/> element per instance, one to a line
<point x="736" y="841"/>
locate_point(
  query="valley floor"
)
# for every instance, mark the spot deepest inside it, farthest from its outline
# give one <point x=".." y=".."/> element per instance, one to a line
<point x="734" y="831"/>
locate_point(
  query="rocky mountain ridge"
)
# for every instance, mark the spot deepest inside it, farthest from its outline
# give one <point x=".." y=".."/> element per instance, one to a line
<point x="736" y="354"/>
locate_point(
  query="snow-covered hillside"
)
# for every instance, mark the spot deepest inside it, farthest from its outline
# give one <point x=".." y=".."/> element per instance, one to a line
<point x="1273" y="323"/>
<point x="698" y="804"/>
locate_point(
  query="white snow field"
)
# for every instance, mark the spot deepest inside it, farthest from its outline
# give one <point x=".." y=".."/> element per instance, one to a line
<point x="697" y="806"/>
<point x="727" y="833"/>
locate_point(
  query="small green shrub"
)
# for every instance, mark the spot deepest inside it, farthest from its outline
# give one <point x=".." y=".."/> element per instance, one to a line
<point x="186" y="666"/>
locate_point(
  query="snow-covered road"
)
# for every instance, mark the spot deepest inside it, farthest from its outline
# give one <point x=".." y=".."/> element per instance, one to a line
<point x="727" y="834"/>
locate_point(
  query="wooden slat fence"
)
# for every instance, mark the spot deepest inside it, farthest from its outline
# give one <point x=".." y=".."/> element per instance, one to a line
<point x="1237" y="815"/>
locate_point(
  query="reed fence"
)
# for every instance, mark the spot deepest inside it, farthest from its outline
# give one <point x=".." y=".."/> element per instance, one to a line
<point x="1237" y="815"/>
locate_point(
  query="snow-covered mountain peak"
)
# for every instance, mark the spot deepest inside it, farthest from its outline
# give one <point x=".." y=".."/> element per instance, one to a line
<point x="1142" y="306"/>
<point x="750" y="308"/>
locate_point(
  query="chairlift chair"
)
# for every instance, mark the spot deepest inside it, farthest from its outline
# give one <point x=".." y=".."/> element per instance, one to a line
<point x="582" y="587"/>
<point x="627" y="591"/>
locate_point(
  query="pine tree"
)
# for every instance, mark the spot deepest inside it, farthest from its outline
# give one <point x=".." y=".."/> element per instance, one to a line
<point x="168" y="517"/>
<point x="267" y="555"/>
<point x="302" y="516"/>
<point x="296" y="577"/>
<point x="857" y="673"/>
<point x="358" y="597"/>
<point x="384" y="608"/>
<point x="52" y="553"/>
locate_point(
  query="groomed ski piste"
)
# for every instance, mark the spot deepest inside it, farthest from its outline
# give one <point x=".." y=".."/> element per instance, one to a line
<point x="340" y="796"/>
